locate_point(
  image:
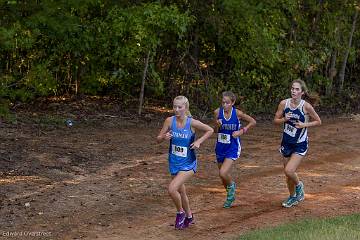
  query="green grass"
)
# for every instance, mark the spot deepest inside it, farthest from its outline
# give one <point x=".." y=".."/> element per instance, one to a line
<point x="342" y="228"/>
<point x="5" y="112"/>
<point x="49" y="120"/>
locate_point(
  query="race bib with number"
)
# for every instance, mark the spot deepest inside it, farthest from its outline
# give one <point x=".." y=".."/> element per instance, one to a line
<point x="290" y="130"/>
<point x="224" y="138"/>
<point x="179" y="150"/>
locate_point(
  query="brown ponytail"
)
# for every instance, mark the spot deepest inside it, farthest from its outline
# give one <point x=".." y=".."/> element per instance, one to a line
<point x="312" y="98"/>
<point x="230" y="95"/>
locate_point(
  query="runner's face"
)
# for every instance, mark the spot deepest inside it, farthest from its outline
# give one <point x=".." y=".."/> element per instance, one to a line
<point x="179" y="108"/>
<point x="227" y="103"/>
<point x="296" y="91"/>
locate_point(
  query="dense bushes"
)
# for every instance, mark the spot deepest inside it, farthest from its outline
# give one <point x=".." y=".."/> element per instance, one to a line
<point x="199" y="49"/>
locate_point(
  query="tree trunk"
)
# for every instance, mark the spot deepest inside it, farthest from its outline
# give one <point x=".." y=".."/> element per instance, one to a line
<point x="78" y="76"/>
<point x="314" y="26"/>
<point x="204" y="78"/>
<point x="332" y="72"/>
<point x="346" y="55"/>
<point x="141" y="98"/>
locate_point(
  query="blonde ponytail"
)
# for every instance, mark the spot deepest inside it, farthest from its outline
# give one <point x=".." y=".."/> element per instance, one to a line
<point x="185" y="101"/>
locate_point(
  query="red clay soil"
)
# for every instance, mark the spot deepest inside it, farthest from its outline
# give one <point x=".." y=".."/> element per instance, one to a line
<point x="109" y="180"/>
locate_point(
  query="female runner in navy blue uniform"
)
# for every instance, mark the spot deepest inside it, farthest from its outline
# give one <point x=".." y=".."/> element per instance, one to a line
<point x="294" y="114"/>
<point x="180" y="130"/>
<point x="228" y="146"/>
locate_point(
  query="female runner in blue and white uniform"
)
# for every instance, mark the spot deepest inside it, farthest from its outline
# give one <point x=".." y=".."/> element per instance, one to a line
<point x="180" y="130"/>
<point x="294" y="114"/>
<point x="228" y="145"/>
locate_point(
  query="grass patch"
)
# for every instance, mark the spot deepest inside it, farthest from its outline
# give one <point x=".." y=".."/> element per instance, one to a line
<point x="50" y="120"/>
<point x="5" y="113"/>
<point x="44" y="120"/>
<point x="344" y="227"/>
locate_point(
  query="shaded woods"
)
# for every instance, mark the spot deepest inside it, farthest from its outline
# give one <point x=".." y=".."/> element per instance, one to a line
<point x="154" y="50"/>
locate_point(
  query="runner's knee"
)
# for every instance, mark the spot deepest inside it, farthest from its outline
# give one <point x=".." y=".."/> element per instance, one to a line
<point x="173" y="189"/>
<point x="223" y="174"/>
<point x="289" y="172"/>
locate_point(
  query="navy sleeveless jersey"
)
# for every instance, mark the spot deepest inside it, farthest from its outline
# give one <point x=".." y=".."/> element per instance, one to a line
<point x="291" y="134"/>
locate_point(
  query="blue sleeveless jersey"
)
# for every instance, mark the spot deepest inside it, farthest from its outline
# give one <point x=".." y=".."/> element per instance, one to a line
<point x="291" y="134"/>
<point x="226" y="145"/>
<point x="181" y="157"/>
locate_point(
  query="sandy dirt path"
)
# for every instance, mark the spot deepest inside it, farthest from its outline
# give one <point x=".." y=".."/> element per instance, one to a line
<point x="110" y="182"/>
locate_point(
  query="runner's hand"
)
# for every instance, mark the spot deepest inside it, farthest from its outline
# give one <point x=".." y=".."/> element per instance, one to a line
<point x="195" y="145"/>
<point x="287" y="116"/>
<point x="236" y="134"/>
<point x="299" y="124"/>
<point x="168" y="135"/>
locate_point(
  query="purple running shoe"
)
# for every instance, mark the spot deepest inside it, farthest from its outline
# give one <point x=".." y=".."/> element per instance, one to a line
<point x="180" y="219"/>
<point x="188" y="221"/>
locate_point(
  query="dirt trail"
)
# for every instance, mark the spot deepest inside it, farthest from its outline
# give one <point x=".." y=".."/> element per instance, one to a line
<point x="110" y="182"/>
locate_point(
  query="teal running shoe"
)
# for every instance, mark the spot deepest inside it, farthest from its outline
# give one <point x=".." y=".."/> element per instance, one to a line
<point x="291" y="201"/>
<point x="299" y="190"/>
<point x="230" y="198"/>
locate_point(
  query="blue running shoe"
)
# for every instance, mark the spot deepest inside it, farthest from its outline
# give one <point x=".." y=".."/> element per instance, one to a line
<point x="300" y="194"/>
<point x="291" y="201"/>
<point x="230" y="198"/>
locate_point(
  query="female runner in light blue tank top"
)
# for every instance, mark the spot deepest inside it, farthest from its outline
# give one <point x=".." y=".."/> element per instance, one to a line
<point x="180" y="130"/>
<point x="294" y="113"/>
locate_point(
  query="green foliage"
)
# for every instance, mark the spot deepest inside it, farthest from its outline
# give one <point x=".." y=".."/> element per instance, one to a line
<point x="199" y="49"/>
<point x="40" y="80"/>
<point x="5" y="111"/>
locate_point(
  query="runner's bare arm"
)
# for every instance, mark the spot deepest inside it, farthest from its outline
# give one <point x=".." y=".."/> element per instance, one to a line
<point x="279" y="119"/>
<point x="197" y="125"/>
<point x="250" y="120"/>
<point x="217" y="122"/>
<point x="165" y="131"/>
<point x="314" y="117"/>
